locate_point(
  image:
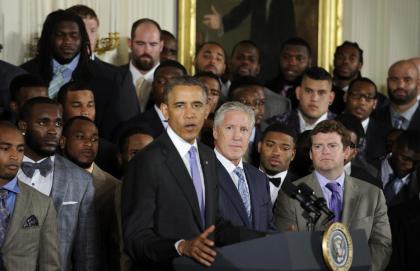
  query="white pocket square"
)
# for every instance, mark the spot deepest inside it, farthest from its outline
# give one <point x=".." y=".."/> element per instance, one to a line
<point x="69" y="202"/>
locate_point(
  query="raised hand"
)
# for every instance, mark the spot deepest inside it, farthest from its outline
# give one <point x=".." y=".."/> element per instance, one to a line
<point x="213" y="20"/>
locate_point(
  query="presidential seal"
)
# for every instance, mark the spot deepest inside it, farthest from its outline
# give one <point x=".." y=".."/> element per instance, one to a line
<point x="337" y="247"/>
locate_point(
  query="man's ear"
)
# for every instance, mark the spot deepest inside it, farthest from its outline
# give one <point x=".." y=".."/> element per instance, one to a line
<point x="259" y="147"/>
<point x="164" y="109"/>
<point x="23" y="126"/>
<point x="13" y="107"/>
<point x="62" y="143"/>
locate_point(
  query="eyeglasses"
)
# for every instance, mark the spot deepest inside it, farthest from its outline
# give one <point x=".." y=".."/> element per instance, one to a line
<point x="359" y="96"/>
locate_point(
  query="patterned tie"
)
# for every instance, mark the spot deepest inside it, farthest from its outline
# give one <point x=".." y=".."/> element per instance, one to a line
<point x="44" y="167"/>
<point x="335" y="200"/>
<point x="4" y="215"/>
<point x="196" y="177"/>
<point x="244" y="192"/>
<point x="398" y="123"/>
<point x="57" y="82"/>
<point x="392" y="187"/>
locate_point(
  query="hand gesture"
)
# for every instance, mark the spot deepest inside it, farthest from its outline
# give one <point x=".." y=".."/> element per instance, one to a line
<point x="213" y="20"/>
<point x="200" y="248"/>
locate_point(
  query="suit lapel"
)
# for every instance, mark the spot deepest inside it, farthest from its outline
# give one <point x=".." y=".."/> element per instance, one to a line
<point x="350" y="200"/>
<point x="59" y="186"/>
<point x="22" y="205"/>
<point x="415" y="120"/>
<point x="177" y="167"/>
<point x="252" y="185"/>
<point x="314" y="184"/>
<point x="210" y="182"/>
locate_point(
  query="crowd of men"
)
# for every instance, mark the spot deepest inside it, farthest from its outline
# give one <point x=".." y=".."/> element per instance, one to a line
<point x="127" y="168"/>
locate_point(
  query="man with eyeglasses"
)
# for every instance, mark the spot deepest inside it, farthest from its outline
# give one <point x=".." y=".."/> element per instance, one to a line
<point x="361" y="101"/>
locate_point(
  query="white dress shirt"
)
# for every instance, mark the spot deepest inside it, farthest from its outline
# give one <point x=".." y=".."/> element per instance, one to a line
<point x="365" y="124"/>
<point x="136" y="74"/>
<point x="274" y="191"/>
<point x="39" y="182"/>
<point x="304" y="126"/>
<point x="230" y="167"/>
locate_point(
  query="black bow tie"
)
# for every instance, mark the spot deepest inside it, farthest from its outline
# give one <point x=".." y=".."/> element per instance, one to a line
<point x="275" y="181"/>
<point x="44" y="167"/>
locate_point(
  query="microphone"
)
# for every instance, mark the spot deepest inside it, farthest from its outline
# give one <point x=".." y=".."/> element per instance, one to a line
<point x="319" y="202"/>
<point x="306" y="203"/>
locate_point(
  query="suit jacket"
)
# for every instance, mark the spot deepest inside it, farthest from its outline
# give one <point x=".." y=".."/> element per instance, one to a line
<point x="7" y="73"/>
<point x="160" y="205"/>
<point x="231" y="206"/>
<point x="33" y="247"/>
<point x="364" y="208"/>
<point x="384" y="115"/>
<point x="407" y="192"/>
<point x="146" y="89"/>
<point x="73" y="195"/>
<point x="275" y="104"/>
<point x="106" y="218"/>
<point x="375" y="139"/>
<point x="362" y="174"/>
<point x="114" y="104"/>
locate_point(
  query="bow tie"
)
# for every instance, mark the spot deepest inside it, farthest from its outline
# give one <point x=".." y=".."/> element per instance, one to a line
<point x="275" y="181"/>
<point x="44" y="167"/>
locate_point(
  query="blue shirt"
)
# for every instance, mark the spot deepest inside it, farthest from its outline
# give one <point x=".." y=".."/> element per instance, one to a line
<point x="70" y="67"/>
<point x="13" y="188"/>
<point x="327" y="193"/>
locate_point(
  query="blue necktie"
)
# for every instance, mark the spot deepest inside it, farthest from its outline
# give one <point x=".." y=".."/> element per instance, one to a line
<point x="244" y="192"/>
<point x="392" y="187"/>
<point x="4" y="215"/>
<point x="196" y="177"/>
<point x="335" y="200"/>
<point x="57" y="82"/>
<point x="398" y="123"/>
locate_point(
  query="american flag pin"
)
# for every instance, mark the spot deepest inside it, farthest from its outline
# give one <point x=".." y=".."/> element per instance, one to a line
<point x="207" y="162"/>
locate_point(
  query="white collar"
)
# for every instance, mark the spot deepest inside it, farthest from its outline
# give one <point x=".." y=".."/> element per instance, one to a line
<point x="227" y="164"/>
<point x="160" y="114"/>
<point x="304" y="126"/>
<point x="181" y="145"/>
<point x="365" y="124"/>
<point x="137" y="74"/>
<point x="27" y="159"/>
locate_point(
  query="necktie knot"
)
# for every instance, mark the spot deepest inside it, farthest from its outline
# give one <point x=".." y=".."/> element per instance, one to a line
<point x="275" y="181"/>
<point x="192" y="152"/>
<point x="44" y="167"/>
<point x="3" y="194"/>
<point x="399" y="122"/>
<point x="333" y="187"/>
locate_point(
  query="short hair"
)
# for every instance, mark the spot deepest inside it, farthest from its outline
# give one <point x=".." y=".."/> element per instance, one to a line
<point x="352" y="124"/>
<point x="25" y="80"/>
<point x="139" y="129"/>
<point x="185" y="80"/>
<point x="296" y="41"/>
<point x="201" y="46"/>
<point x="233" y="106"/>
<point x="365" y="80"/>
<point x="171" y="63"/>
<point x="70" y="87"/>
<point x="166" y="33"/>
<point x="209" y="75"/>
<point x="28" y="106"/>
<point x="350" y="44"/>
<point x="142" y="21"/>
<point x="68" y="124"/>
<point x="332" y="126"/>
<point x="4" y="124"/>
<point x="317" y="73"/>
<point x="247" y="43"/>
<point x="84" y="12"/>
<point x="280" y="128"/>
<point x="243" y="81"/>
<point x="409" y="139"/>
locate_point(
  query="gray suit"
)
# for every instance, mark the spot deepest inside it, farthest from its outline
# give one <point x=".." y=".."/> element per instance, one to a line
<point x="73" y="195"/>
<point x="364" y="208"/>
<point x="275" y="104"/>
<point x="31" y="247"/>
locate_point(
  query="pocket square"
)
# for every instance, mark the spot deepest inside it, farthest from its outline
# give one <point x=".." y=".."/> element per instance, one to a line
<point x="30" y="222"/>
<point x="69" y="202"/>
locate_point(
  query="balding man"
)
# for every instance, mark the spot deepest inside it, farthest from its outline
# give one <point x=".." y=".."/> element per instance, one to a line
<point x="403" y="111"/>
<point x="416" y="61"/>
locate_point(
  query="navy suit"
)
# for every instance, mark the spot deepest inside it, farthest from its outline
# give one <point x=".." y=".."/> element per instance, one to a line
<point x="384" y="115"/>
<point x="231" y="206"/>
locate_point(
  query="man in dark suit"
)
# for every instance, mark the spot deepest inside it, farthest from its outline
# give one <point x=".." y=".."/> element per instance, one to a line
<point x="28" y="225"/>
<point x="403" y="112"/>
<point x="169" y="193"/>
<point x="7" y="73"/>
<point x="69" y="186"/>
<point x="64" y="55"/>
<point x="244" y="197"/>
<point x="277" y="150"/>
<point x="79" y="144"/>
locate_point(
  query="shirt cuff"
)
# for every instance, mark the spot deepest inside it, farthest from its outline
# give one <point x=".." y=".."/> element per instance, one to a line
<point x="176" y="246"/>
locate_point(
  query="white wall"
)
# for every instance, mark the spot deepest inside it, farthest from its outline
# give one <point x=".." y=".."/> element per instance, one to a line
<point x="21" y="21"/>
<point x="387" y="31"/>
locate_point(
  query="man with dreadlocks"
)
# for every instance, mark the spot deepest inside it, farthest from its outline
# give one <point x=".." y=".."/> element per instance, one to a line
<point x="64" y="54"/>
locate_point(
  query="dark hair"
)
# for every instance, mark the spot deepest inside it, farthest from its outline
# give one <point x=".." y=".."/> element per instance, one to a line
<point x="317" y="73"/>
<point x="350" y="44"/>
<point x="45" y="47"/>
<point x="167" y="33"/>
<point x="24" y="80"/>
<point x="211" y="43"/>
<point x="296" y="41"/>
<point x="71" y="86"/>
<point x="4" y="124"/>
<point x="365" y="80"/>
<point x="139" y="129"/>
<point x="352" y="124"/>
<point x="171" y="63"/>
<point x="332" y="126"/>
<point x="248" y="43"/>
<point x="26" y="110"/>
<point x="142" y="21"/>
<point x="209" y="75"/>
<point x="69" y="123"/>
<point x="241" y="82"/>
<point x="280" y="128"/>
<point x="409" y="139"/>
<point x="84" y="12"/>
<point x="183" y="81"/>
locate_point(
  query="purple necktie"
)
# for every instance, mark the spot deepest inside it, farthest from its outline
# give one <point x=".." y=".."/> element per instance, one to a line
<point x="196" y="177"/>
<point x="335" y="200"/>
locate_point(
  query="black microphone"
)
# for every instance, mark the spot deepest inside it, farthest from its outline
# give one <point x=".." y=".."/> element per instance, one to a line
<point x="306" y="203"/>
<point x="319" y="202"/>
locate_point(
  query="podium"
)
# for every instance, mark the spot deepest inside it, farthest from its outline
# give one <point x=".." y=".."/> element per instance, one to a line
<point x="281" y="251"/>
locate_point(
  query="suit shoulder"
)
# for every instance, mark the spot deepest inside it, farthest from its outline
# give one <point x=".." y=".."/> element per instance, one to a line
<point x="251" y="169"/>
<point x="37" y="196"/>
<point x="72" y="169"/>
<point x="364" y="187"/>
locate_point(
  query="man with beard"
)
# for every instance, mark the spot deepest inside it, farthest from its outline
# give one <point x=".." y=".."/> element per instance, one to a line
<point x="79" y="144"/>
<point x="277" y="149"/>
<point x="403" y="83"/>
<point x="69" y="186"/>
<point x="146" y="45"/>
